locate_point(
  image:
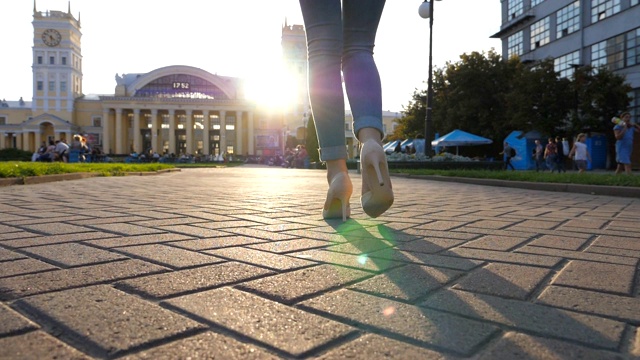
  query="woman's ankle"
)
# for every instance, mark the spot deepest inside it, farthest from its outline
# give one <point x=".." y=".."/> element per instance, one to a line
<point x="366" y="134"/>
<point x="336" y="166"/>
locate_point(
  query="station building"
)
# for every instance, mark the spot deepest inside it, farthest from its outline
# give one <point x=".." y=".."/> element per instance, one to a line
<point x="576" y="33"/>
<point x="175" y="109"/>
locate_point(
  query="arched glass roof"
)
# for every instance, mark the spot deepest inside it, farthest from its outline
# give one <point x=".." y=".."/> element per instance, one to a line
<point x="181" y="86"/>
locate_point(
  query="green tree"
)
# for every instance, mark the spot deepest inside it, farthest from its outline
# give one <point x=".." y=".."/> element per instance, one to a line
<point x="312" y="141"/>
<point x="488" y="96"/>
<point x="600" y="95"/>
<point x="469" y="95"/>
<point x="538" y="99"/>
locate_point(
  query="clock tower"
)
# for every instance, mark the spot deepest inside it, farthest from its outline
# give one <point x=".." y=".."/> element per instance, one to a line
<point x="294" y="53"/>
<point x="57" y="63"/>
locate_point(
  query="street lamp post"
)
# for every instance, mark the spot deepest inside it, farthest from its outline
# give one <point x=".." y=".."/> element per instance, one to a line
<point x="426" y="12"/>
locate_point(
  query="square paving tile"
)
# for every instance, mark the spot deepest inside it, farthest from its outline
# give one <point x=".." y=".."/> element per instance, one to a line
<point x="186" y="281"/>
<point x="408" y="282"/>
<point x="283" y="327"/>
<point x="105" y="321"/>
<point x="597" y="276"/>
<point x="73" y="254"/>
<point x="293" y="286"/>
<point x="170" y="256"/>
<point x="456" y="334"/>
<point x="504" y="280"/>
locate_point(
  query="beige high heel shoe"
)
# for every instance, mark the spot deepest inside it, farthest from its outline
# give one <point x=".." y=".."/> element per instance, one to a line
<point x="338" y="195"/>
<point x="375" y="175"/>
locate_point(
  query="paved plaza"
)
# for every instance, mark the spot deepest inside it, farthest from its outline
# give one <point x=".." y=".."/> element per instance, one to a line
<point x="237" y="263"/>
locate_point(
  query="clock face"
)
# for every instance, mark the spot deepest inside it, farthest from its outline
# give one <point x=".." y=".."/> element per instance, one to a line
<point x="51" y="37"/>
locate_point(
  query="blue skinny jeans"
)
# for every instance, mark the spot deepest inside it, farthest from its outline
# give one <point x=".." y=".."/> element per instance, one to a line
<point x="341" y="36"/>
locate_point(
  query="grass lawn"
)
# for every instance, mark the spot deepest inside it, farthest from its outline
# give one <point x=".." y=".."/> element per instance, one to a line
<point x="587" y="178"/>
<point x="13" y="169"/>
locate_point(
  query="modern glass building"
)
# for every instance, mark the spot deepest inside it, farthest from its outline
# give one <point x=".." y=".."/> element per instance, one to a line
<point x="576" y="33"/>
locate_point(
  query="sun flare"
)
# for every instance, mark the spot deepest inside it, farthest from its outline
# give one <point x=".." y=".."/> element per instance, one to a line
<point x="273" y="88"/>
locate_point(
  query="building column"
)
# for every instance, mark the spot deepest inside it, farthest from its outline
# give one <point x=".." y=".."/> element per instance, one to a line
<point x="250" y="133"/>
<point x="137" y="139"/>
<point x="223" y="132"/>
<point x="189" y="131"/>
<point x="172" y="132"/>
<point x="67" y="137"/>
<point x="25" y="141"/>
<point x="206" y="136"/>
<point x="119" y="132"/>
<point x="239" y="148"/>
<point x="155" y="131"/>
<point x="38" y="140"/>
<point x="106" y="132"/>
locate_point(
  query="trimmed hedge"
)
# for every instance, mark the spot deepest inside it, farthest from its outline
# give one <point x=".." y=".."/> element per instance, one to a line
<point x="15" y="155"/>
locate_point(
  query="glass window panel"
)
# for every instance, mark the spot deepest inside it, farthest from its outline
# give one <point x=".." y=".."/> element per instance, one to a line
<point x="564" y="65"/>
<point x="568" y="19"/>
<point x="540" y="33"/>
<point x="515" y="44"/>
<point x="181" y="86"/>
<point x="601" y="9"/>
<point x="515" y="8"/>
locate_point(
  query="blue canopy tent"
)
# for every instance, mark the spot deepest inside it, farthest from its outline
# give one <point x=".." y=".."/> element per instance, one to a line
<point x="460" y="138"/>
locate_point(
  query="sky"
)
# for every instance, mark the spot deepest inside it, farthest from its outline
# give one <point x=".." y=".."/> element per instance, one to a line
<point x="237" y="38"/>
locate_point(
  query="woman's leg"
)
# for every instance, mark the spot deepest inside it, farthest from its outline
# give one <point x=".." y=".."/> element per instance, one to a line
<point x="323" y="25"/>
<point x="361" y="77"/>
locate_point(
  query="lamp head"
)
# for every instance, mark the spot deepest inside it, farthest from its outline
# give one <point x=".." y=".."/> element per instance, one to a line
<point x="425" y="9"/>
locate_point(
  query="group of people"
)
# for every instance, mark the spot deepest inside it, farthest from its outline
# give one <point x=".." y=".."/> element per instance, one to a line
<point x="59" y="150"/>
<point x="296" y="158"/>
<point x="55" y="151"/>
<point x="554" y="155"/>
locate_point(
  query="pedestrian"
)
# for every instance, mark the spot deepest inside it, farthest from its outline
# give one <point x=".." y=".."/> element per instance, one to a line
<point x="623" y="132"/>
<point x="340" y="40"/>
<point x="507" y="153"/>
<point x="538" y="155"/>
<point x="550" y="154"/>
<point x="560" y="155"/>
<point x="580" y="152"/>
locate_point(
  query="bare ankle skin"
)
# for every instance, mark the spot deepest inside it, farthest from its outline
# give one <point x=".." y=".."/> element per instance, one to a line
<point x="369" y="133"/>
<point x="334" y="167"/>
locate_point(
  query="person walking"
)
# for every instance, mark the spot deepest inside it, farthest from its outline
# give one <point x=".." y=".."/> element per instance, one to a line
<point x="550" y="154"/>
<point x="538" y="155"/>
<point x="581" y="153"/>
<point x="560" y="155"/>
<point x="341" y="36"/>
<point x="623" y="132"/>
<point x="508" y="153"/>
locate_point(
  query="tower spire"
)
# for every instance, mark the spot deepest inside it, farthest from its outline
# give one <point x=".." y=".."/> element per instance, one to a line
<point x="69" y="8"/>
<point x="34" y="7"/>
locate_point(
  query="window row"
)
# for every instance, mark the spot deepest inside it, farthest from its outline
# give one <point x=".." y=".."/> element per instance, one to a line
<point x="567" y="22"/>
<point x="617" y="52"/>
<point x="51" y="86"/>
<point x="52" y="60"/>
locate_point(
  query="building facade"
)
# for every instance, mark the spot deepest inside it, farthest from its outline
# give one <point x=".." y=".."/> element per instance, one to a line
<point x="576" y="33"/>
<point x="171" y="110"/>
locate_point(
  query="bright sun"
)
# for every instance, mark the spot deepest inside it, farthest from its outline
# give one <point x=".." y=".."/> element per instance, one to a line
<point x="273" y="88"/>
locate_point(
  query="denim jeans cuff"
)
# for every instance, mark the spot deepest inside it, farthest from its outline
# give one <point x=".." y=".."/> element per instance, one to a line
<point x="333" y="153"/>
<point x="367" y="122"/>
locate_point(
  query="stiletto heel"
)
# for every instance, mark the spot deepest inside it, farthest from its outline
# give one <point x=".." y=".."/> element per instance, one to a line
<point x="379" y="196"/>
<point x="337" y="204"/>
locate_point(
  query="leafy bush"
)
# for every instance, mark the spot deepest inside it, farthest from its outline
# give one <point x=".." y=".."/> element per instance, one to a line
<point x="11" y="154"/>
<point x="20" y="169"/>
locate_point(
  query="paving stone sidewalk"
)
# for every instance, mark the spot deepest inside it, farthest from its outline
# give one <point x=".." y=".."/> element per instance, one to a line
<point x="238" y="263"/>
